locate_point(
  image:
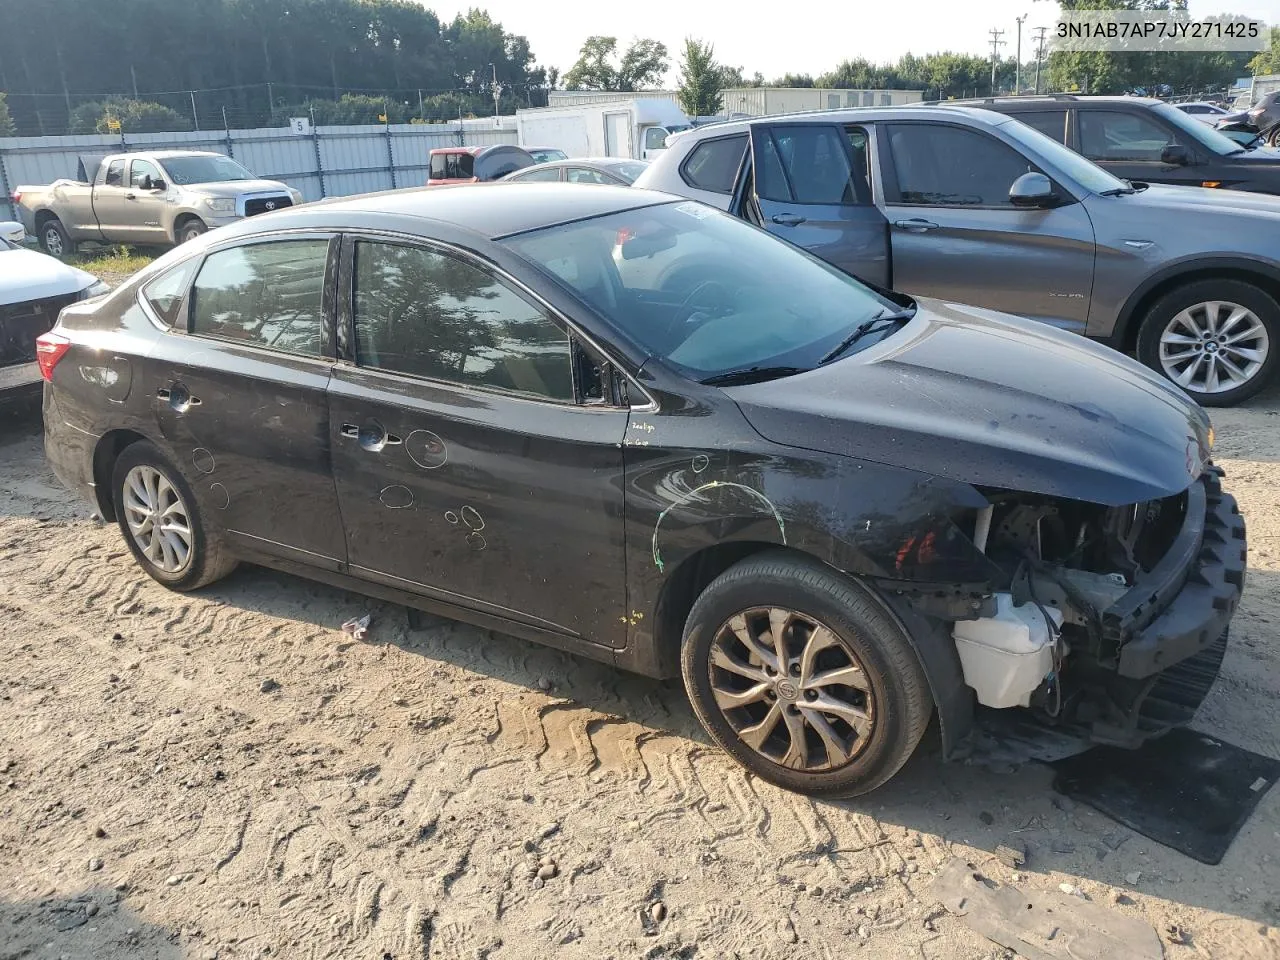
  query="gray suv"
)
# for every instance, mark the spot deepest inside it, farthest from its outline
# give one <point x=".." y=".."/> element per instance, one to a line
<point x="969" y="206"/>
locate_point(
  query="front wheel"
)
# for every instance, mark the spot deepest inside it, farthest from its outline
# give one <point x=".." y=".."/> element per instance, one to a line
<point x="1217" y="339"/>
<point x="188" y="230"/>
<point x="804" y="677"/>
<point x="161" y="523"/>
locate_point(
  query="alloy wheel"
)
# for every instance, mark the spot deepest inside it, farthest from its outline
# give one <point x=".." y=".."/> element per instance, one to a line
<point x="792" y="689"/>
<point x="1213" y="347"/>
<point x="157" y="518"/>
<point x="53" y="241"/>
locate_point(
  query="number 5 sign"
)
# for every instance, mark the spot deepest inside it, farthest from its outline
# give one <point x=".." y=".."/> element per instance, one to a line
<point x="300" y="125"/>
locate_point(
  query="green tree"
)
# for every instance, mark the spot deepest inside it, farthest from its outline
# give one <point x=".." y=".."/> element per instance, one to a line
<point x="1268" y="61"/>
<point x="6" y="122"/>
<point x="134" y="116"/>
<point x="642" y="65"/>
<point x="701" y="80"/>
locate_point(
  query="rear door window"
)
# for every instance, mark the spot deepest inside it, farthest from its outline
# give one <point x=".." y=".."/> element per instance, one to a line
<point x="810" y="163"/>
<point x="940" y="165"/>
<point x="264" y="295"/>
<point x="115" y="174"/>
<point x="539" y="173"/>
<point x="1052" y="123"/>
<point x="713" y="164"/>
<point x="439" y="166"/>
<point x="585" y="175"/>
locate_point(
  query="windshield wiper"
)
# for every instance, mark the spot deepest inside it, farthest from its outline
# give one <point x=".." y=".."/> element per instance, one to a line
<point x="862" y="329"/>
<point x="734" y="378"/>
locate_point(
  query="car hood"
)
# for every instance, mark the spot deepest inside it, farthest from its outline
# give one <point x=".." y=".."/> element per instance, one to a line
<point x="1199" y="201"/>
<point x="28" y="275"/>
<point x="993" y="400"/>
<point x="234" y="188"/>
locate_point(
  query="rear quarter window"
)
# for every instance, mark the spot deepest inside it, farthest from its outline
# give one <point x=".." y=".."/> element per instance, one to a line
<point x="713" y="164"/>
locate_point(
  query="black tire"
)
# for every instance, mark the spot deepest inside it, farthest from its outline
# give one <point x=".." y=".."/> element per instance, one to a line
<point x="191" y="228"/>
<point x="901" y="704"/>
<point x="1273" y="136"/>
<point x="1162" y="314"/>
<point x="55" y="240"/>
<point x="208" y="557"/>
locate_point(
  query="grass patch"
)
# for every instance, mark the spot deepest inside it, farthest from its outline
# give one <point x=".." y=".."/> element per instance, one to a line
<point x="118" y="261"/>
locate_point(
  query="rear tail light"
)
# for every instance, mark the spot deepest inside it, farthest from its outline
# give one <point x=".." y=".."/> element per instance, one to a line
<point x="50" y="348"/>
<point x="17" y="196"/>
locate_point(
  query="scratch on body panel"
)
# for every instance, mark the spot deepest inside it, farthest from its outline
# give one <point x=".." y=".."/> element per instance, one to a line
<point x="714" y="484"/>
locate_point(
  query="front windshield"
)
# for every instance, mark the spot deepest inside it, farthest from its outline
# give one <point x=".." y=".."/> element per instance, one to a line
<point x="1202" y="133"/>
<point x="1083" y="171"/>
<point x="187" y="170"/>
<point x="704" y="291"/>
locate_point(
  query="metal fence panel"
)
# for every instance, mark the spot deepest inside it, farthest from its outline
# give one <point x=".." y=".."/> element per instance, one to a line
<point x="329" y="162"/>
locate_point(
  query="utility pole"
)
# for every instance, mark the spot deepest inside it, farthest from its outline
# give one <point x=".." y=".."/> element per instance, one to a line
<point x="497" y="93"/>
<point x="996" y="44"/>
<point x="1039" y="54"/>
<point x="194" y="115"/>
<point x="134" y="74"/>
<point x="1017" y="70"/>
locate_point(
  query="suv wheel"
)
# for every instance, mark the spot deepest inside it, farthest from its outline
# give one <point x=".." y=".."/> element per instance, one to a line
<point x="157" y="514"/>
<point x="1217" y="339"/>
<point x="804" y="677"/>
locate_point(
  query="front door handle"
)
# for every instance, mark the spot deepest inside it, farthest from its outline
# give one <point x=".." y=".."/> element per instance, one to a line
<point x="915" y="225"/>
<point x="788" y="219"/>
<point x="131" y="196"/>
<point x="351" y="431"/>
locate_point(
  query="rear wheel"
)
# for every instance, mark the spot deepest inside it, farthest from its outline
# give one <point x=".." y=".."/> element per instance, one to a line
<point x="158" y="516"/>
<point x="1217" y="339"/>
<point x="804" y="677"/>
<point x="55" y="240"/>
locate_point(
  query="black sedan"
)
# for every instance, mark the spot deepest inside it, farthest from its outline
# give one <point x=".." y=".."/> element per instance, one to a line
<point x="641" y="430"/>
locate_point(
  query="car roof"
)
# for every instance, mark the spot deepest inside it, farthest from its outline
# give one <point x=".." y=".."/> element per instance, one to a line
<point x="1004" y="103"/>
<point x="491" y="210"/>
<point x="174" y="154"/>
<point x="582" y="162"/>
<point x="847" y="115"/>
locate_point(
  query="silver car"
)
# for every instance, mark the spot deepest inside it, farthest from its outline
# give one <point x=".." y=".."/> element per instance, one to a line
<point x="970" y="206"/>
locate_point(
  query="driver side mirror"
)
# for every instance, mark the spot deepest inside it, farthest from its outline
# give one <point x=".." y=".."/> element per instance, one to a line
<point x="1033" y="190"/>
<point x="151" y="184"/>
<point x="1175" y="154"/>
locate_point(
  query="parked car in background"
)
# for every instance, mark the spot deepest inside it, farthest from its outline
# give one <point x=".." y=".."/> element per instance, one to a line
<point x="610" y="170"/>
<point x="34" y="287"/>
<point x="546" y="154"/>
<point x="1203" y="111"/>
<point x="13" y="231"/>
<point x="1265" y="117"/>
<point x="475" y="164"/>
<point x="816" y="502"/>
<point x="971" y="207"/>
<point x="1145" y="140"/>
<point x="161" y="197"/>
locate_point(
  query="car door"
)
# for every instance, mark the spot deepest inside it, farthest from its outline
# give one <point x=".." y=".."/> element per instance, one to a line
<point x="240" y="397"/>
<point x="957" y="237"/>
<point x="466" y="468"/>
<point x="109" y="201"/>
<point x="141" y="208"/>
<point x="1129" y="144"/>
<point x="809" y="186"/>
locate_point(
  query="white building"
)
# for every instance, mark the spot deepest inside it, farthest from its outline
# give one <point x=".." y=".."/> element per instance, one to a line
<point x="770" y="101"/>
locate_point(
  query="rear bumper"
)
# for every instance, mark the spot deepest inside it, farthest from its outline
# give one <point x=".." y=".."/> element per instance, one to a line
<point x="1185" y="604"/>
<point x="20" y="381"/>
<point x="69" y="451"/>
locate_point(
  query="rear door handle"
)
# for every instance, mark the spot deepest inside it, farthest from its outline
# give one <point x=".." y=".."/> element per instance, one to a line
<point x="351" y="431"/>
<point x="915" y="225"/>
<point x="372" y="438"/>
<point x="178" y="397"/>
<point x="788" y="219"/>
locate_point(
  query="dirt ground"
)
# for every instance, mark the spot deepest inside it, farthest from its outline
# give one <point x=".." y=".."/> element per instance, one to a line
<point x="229" y="775"/>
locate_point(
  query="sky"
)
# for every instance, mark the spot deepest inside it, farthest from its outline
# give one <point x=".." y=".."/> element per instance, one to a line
<point x="777" y="38"/>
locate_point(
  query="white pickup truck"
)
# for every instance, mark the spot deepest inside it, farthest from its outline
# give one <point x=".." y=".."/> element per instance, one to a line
<point x="164" y="197"/>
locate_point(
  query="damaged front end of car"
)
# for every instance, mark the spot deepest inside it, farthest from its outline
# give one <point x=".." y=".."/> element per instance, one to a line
<point x="1109" y="623"/>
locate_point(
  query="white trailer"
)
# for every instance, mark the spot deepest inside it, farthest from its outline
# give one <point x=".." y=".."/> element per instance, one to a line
<point x="635" y="128"/>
